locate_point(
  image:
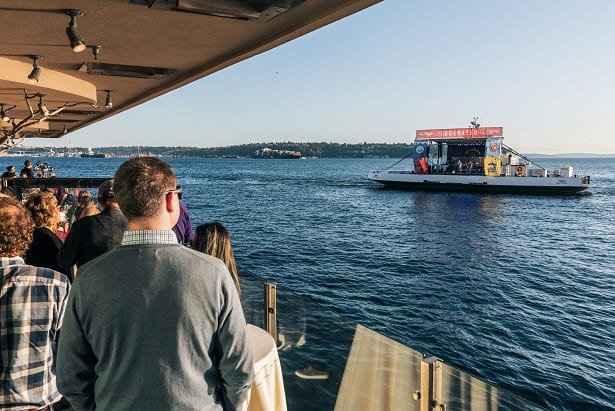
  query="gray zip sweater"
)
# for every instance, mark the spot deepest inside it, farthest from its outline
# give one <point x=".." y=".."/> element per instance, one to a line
<point x="154" y="327"/>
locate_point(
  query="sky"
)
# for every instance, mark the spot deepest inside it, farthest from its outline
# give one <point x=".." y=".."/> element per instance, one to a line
<point x="543" y="70"/>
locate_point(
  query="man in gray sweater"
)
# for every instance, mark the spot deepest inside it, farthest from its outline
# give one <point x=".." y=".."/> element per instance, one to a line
<point x="151" y="324"/>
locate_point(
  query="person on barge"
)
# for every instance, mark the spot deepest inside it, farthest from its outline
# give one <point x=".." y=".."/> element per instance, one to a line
<point x="26" y="171"/>
<point x="151" y="324"/>
<point x="9" y="173"/>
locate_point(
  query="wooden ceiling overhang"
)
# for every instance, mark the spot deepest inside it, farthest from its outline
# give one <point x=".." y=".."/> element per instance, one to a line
<point x="136" y="50"/>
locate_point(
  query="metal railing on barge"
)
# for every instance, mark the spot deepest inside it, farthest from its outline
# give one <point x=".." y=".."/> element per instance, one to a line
<point x="331" y="362"/>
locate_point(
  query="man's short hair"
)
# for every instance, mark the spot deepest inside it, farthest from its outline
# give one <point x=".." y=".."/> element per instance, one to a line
<point x="16" y="228"/>
<point x="139" y="185"/>
<point x="105" y="192"/>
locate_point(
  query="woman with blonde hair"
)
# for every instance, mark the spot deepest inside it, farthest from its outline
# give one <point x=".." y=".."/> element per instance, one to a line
<point x="89" y="208"/>
<point x="84" y="198"/>
<point x="43" y="251"/>
<point x="214" y="239"/>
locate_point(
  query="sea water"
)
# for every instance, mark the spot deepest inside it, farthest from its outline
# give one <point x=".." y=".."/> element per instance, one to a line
<point x="516" y="290"/>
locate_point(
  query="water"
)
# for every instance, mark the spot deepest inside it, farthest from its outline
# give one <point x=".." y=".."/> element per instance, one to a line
<point x="517" y="290"/>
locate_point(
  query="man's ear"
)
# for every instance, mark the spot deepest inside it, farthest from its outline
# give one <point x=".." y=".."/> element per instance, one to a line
<point x="170" y="204"/>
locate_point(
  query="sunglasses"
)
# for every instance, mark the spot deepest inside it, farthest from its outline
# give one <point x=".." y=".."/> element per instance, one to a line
<point x="177" y="190"/>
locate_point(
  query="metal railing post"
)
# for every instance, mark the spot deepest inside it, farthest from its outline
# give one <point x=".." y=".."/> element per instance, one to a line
<point x="270" y="307"/>
<point x="431" y="385"/>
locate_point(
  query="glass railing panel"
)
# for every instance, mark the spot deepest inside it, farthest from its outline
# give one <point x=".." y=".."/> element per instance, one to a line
<point x="252" y="297"/>
<point x="461" y="391"/>
<point x="330" y="362"/>
<point x="380" y="374"/>
<point x="313" y="344"/>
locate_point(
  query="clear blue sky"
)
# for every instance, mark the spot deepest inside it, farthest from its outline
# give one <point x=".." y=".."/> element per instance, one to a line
<point x="544" y="70"/>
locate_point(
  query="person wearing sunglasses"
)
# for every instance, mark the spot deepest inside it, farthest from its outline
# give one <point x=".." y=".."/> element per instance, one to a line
<point x="151" y="324"/>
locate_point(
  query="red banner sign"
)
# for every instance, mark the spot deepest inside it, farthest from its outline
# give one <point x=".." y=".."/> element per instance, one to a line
<point x="451" y="133"/>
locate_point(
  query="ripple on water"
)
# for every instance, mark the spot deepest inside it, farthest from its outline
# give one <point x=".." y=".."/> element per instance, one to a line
<point x="517" y="290"/>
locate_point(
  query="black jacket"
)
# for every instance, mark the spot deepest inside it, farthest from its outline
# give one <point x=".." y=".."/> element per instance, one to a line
<point x="44" y="249"/>
<point x="92" y="236"/>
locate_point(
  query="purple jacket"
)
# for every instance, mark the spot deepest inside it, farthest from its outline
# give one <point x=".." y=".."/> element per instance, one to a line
<point x="183" y="228"/>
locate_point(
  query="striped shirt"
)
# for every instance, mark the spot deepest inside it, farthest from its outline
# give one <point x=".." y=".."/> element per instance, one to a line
<point x="32" y="305"/>
<point x="134" y="237"/>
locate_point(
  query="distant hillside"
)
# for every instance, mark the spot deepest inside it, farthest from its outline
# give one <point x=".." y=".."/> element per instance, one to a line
<point x="321" y="150"/>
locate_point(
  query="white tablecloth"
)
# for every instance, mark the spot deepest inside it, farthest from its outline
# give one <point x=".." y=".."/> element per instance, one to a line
<point x="267" y="392"/>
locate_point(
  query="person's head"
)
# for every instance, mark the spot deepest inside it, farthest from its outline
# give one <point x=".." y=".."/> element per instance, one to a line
<point x="23" y="175"/>
<point x="10" y="169"/>
<point x="7" y="191"/>
<point x="106" y="196"/>
<point x="27" y="164"/>
<point x="144" y="188"/>
<point x="84" y="198"/>
<point x="88" y="211"/>
<point x="214" y="239"/>
<point x="16" y="227"/>
<point x="43" y="207"/>
<point x="86" y="201"/>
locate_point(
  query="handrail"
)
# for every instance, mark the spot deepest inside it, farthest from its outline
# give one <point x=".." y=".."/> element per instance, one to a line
<point x="270" y="307"/>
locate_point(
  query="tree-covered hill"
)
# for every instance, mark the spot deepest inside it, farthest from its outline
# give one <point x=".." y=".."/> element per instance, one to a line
<point x="321" y="150"/>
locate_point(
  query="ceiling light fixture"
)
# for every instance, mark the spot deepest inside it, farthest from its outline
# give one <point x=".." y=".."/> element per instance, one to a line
<point x="96" y="51"/>
<point x="36" y="70"/>
<point x="76" y="42"/>
<point x="108" y="101"/>
<point x="41" y="105"/>
<point x="3" y="115"/>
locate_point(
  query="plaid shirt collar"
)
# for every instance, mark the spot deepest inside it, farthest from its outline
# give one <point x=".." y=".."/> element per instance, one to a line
<point x="134" y="237"/>
<point x="11" y="261"/>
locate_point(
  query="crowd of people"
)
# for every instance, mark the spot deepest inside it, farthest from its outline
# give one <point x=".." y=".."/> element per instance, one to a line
<point x="41" y="170"/>
<point x="118" y="306"/>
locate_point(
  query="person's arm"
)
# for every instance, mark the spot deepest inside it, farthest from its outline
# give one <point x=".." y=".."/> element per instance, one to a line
<point x="234" y="348"/>
<point x="75" y="375"/>
<point x="189" y="236"/>
<point x="59" y="312"/>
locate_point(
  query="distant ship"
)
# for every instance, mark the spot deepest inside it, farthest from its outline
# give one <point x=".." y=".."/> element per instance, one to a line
<point x="91" y="154"/>
<point x="269" y="153"/>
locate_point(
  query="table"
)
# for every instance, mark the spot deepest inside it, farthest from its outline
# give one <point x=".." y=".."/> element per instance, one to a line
<point x="267" y="392"/>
